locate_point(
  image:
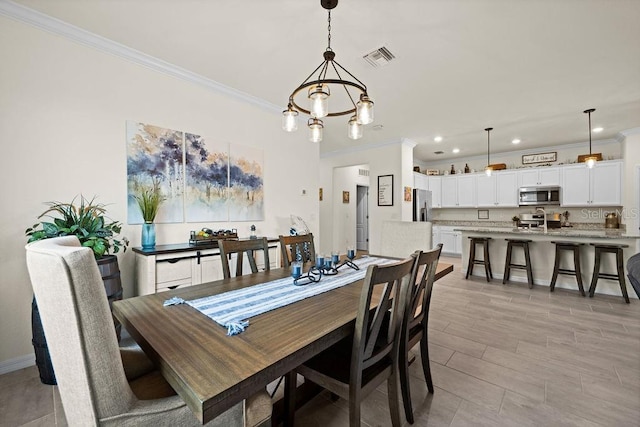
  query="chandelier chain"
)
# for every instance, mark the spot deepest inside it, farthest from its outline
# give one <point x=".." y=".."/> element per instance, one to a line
<point x="329" y="31"/>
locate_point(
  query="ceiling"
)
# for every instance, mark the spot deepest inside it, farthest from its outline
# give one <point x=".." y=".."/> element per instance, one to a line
<point x="527" y="68"/>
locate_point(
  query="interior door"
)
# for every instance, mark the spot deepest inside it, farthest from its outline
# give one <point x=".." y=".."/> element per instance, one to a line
<point x="362" y="218"/>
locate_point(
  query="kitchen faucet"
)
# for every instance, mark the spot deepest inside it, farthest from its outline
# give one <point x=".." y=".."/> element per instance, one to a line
<point x="544" y="217"/>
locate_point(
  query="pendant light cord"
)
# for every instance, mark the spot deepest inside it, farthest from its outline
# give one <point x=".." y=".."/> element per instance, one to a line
<point x="589" y="132"/>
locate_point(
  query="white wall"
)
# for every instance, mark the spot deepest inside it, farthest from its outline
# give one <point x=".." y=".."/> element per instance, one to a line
<point x="344" y="214"/>
<point x="63" y="108"/>
<point x="383" y="160"/>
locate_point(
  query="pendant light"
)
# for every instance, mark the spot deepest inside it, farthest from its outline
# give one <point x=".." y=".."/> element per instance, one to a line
<point x="329" y="75"/>
<point x="488" y="169"/>
<point x="591" y="159"/>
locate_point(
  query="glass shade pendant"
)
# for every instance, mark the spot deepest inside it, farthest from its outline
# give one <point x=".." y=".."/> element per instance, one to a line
<point x="591" y="161"/>
<point x="315" y="130"/>
<point x="290" y="119"/>
<point x="355" y="128"/>
<point x="488" y="170"/>
<point x="364" y="110"/>
<point x="319" y="97"/>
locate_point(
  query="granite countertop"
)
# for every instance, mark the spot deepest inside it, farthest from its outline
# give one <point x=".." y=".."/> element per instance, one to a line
<point x="596" y="226"/>
<point x="609" y="233"/>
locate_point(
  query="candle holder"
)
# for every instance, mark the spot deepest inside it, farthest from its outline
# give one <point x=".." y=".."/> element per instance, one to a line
<point x="351" y="254"/>
<point x="300" y="279"/>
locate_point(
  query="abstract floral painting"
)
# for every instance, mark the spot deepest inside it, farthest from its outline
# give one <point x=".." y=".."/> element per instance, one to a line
<point x="246" y="184"/>
<point x="155" y="158"/>
<point x="207" y="182"/>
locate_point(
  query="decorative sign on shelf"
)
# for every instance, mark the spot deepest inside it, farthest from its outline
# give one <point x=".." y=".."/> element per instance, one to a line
<point x="539" y="158"/>
<point x="385" y="190"/>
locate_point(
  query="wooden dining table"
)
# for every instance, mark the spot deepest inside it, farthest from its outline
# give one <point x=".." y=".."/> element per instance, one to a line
<point x="212" y="371"/>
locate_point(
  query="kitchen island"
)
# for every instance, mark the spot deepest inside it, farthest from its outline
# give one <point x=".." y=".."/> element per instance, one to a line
<point x="543" y="254"/>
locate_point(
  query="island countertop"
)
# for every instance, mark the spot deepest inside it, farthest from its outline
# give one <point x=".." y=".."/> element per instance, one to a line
<point x="553" y="232"/>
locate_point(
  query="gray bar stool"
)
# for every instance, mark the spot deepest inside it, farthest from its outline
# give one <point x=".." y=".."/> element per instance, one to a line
<point x="508" y="265"/>
<point x="575" y="248"/>
<point x="609" y="249"/>
<point x="484" y="241"/>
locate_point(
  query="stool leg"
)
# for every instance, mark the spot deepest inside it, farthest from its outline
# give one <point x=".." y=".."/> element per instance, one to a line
<point x="623" y="283"/>
<point x="487" y="266"/>
<point x="507" y="264"/>
<point x="556" y="266"/>
<point x="576" y="262"/>
<point x="596" y="273"/>
<point x="527" y="258"/>
<point x="472" y="257"/>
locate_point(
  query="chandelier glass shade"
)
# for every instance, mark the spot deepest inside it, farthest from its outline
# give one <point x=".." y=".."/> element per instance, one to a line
<point x="590" y="160"/>
<point x="488" y="169"/>
<point x="330" y="91"/>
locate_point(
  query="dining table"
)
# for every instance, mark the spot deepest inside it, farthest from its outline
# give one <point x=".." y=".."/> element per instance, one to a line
<point x="212" y="371"/>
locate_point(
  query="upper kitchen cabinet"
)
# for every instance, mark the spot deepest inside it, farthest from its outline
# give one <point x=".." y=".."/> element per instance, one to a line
<point x="420" y="181"/>
<point x="599" y="186"/>
<point x="500" y="190"/>
<point x="541" y="176"/>
<point x="435" y="186"/>
<point x="459" y="191"/>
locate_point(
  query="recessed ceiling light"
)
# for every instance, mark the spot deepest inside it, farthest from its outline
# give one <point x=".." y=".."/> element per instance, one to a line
<point x="596" y="130"/>
<point x="455" y="150"/>
<point x="515" y="141"/>
<point x="438" y="139"/>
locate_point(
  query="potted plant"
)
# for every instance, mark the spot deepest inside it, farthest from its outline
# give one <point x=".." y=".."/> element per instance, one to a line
<point x="149" y="200"/>
<point x="516" y="220"/>
<point x="89" y="223"/>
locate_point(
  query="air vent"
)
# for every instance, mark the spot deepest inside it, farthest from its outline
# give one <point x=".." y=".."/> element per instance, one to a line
<point x="379" y="57"/>
<point x="438" y="152"/>
<point x="363" y="172"/>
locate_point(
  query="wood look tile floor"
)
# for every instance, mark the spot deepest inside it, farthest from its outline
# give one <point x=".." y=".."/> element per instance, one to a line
<point x="501" y="355"/>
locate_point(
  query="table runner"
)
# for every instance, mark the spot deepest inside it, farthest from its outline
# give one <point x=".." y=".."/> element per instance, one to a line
<point x="232" y="309"/>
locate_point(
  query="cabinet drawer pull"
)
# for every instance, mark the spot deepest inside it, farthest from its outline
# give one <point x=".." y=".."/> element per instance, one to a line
<point x="172" y="287"/>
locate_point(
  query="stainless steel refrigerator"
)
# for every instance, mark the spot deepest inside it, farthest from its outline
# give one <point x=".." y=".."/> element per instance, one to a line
<point x="421" y="205"/>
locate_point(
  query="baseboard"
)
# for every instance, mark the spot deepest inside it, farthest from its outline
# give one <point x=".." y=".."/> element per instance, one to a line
<point x="17" y="363"/>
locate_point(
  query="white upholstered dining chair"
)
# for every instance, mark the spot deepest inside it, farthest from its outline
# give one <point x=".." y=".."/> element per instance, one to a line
<point x="84" y="350"/>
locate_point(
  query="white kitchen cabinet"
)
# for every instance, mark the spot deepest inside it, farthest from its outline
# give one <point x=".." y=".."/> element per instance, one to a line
<point x="459" y="191"/>
<point x="599" y="186"/>
<point x="435" y="236"/>
<point x="498" y="190"/>
<point x="541" y="176"/>
<point x="435" y="186"/>
<point x="420" y="181"/>
<point x="451" y="240"/>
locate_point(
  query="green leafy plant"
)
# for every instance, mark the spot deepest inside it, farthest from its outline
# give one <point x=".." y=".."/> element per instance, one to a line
<point x="149" y="200"/>
<point x="515" y="218"/>
<point x="86" y="221"/>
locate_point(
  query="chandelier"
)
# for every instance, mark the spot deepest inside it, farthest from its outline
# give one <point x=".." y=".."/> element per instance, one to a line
<point x="318" y="87"/>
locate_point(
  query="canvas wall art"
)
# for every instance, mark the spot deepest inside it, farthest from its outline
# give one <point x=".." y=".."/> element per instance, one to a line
<point x="246" y="183"/>
<point x="155" y="158"/>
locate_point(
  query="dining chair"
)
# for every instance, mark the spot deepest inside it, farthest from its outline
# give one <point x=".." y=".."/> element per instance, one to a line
<point x="240" y="247"/>
<point x="92" y="379"/>
<point x="356" y="365"/>
<point x="292" y="246"/>
<point x="416" y="319"/>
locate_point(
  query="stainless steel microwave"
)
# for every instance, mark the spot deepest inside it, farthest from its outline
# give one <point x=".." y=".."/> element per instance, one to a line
<point x="539" y="196"/>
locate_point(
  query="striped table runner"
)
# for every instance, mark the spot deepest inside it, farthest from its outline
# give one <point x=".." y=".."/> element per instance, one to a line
<point x="232" y="309"/>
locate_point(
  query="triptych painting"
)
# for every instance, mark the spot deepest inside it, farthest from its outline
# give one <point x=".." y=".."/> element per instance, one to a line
<point x="202" y="180"/>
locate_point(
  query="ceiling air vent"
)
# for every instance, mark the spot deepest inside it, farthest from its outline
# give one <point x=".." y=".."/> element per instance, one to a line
<point x="363" y="172"/>
<point x="379" y="57"/>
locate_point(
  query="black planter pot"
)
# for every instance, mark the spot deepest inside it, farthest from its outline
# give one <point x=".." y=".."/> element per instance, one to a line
<point x="108" y="266"/>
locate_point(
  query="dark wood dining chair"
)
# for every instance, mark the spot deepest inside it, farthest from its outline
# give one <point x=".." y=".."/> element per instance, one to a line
<point x="240" y="247"/>
<point x="356" y="365"/>
<point x="416" y="319"/>
<point x="291" y="246"/>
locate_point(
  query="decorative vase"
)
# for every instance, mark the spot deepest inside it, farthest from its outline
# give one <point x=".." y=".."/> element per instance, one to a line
<point x="148" y="235"/>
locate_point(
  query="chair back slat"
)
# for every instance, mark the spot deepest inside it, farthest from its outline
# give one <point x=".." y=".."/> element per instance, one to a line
<point x="240" y="247"/>
<point x="300" y="246"/>
<point x="372" y="342"/>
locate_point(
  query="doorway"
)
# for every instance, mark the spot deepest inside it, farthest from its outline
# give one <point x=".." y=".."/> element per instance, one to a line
<point x="362" y="218"/>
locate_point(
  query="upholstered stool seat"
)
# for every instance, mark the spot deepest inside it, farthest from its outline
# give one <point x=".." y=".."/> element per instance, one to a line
<point x="508" y="265"/>
<point x="619" y="275"/>
<point x="484" y="241"/>
<point x="574" y="247"/>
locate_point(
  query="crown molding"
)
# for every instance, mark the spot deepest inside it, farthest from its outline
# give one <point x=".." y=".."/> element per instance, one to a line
<point x="624" y="133"/>
<point x="56" y="26"/>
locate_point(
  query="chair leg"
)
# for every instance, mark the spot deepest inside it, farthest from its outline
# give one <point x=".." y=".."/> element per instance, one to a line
<point x="527" y="259"/>
<point x="576" y="262"/>
<point x="487" y="266"/>
<point x="623" y="284"/>
<point x="507" y="264"/>
<point x="556" y="266"/>
<point x="354" y="409"/>
<point x="596" y="273"/>
<point x="290" y="383"/>
<point x="424" y="355"/>
<point x="472" y="257"/>
<point x="488" y="260"/>
<point x="403" y="367"/>
<point x="394" y="407"/>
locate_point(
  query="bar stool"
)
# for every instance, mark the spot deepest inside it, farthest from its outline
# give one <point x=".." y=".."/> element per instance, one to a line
<point x="610" y="249"/>
<point x="575" y="248"/>
<point x="524" y="244"/>
<point x="484" y="241"/>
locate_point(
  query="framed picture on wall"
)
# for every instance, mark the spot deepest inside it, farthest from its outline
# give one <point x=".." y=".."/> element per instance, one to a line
<point x="385" y="190"/>
<point x="345" y="197"/>
<point x="407" y="194"/>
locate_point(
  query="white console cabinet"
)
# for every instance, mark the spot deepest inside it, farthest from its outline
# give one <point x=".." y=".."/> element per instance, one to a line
<point x="172" y="266"/>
